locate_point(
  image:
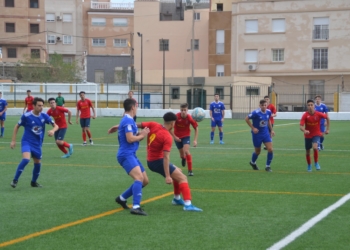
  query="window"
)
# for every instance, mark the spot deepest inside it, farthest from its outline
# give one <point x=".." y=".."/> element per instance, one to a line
<point x="219" y="7"/>
<point x="51" y="39"/>
<point x="251" y="55"/>
<point x="120" y="75"/>
<point x="34" y="28"/>
<point x="9" y="3"/>
<point x="220" y="70"/>
<point x="35" y="53"/>
<point x="220" y="91"/>
<point x="10" y="27"/>
<point x="11" y="53"/>
<point x="278" y="55"/>
<point x="98" y="21"/>
<point x="251" y="90"/>
<point x="34" y="4"/>
<point x="163" y="44"/>
<point x="220" y="42"/>
<point x="278" y="25"/>
<point x="120" y="43"/>
<point x="316" y="87"/>
<point x="195" y="44"/>
<point x="67" y="39"/>
<point x="99" y="76"/>
<point x="321" y="31"/>
<point x="67" y="18"/>
<point x="120" y="22"/>
<point x="68" y="60"/>
<point x="50" y="17"/>
<point x="251" y="26"/>
<point x="197" y="16"/>
<point x="320" y="59"/>
<point x="175" y="93"/>
<point x="98" y="42"/>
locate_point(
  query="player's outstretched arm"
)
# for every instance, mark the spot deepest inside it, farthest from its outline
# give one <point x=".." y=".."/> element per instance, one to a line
<point x="14" y="135"/>
<point x="134" y="138"/>
<point x="25" y="107"/>
<point x="77" y="116"/>
<point x="272" y="132"/>
<point x="328" y="123"/>
<point x="52" y="131"/>
<point x="302" y="129"/>
<point x="113" y="129"/>
<point x="195" y="137"/>
<point x="255" y="130"/>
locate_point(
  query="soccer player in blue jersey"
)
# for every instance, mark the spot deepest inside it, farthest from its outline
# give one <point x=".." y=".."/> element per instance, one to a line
<point x="3" y="108"/>
<point x="321" y="107"/>
<point x="129" y="139"/>
<point x="217" y="114"/>
<point x="260" y="126"/>
<point x="34" y="130"/>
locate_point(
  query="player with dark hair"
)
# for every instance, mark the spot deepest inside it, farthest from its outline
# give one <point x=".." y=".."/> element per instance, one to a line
<point x="273" y="110"/>
<point x="3" y="108"/>
<point x="159" y="142"/>
<point x="28" y="102"/>
<point x="262" y="132"/>
<point x="83" y="110"/>
<point x="32" y="140"/>
<point x="58" y="114"/>
<point x="310" y="126"/>
<point x="130" y="94"/>
<point x="182" y="134"/>
<point x="129" y="139"/>
<point x="217" y="114"/>
<point x="321" y="107"/>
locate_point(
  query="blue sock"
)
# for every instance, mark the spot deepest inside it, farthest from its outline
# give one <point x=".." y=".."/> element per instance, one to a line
<point x="269" y="158"/>
<point x="2" y="130"/>
<point x="221" y="135"/>
<point x="20" y="168"/>
<point x="137" y="193"/>
<point x="36" y="171"/>
<point x="127" y="193"/>
<point x="254" y="157"/>
<point x="322" y="139"/>
<point x="211" y="135"/>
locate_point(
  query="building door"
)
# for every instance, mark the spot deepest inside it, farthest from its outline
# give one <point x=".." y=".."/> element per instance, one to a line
<point x="199" y="98"/>
<point x="99" y="76"/>
<point x="146" y="101"/>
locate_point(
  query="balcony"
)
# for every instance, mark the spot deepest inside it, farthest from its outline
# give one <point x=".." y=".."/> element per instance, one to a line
<point x="112" y="6"/>
<point x="320" y="34"/>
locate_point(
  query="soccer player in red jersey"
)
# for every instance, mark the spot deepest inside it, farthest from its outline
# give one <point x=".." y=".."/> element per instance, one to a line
<point x="182" y="134"/>
<point x="58" y="114"/>
<point x="159" y="142"/>
<point x="28" y="102"/>
<point x="310" y="126"/>
<point x="273" y="110"/>
<point x="83" y="110"/>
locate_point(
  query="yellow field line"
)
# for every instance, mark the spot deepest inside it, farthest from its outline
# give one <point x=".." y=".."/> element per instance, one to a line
<point x="74" y="223"/>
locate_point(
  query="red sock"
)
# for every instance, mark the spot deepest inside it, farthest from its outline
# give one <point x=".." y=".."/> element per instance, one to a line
<point x="88" y="133"/>
<point x="185" y="190"/>
<point x="308" y="159"/>
<point x="84" y="136"/>
<point x="65" y="144"/>
<point x="315" y="155"/>
<point x="189" y="162"/>
<point x="176" y="188"/>
<point x="63" y="149"/>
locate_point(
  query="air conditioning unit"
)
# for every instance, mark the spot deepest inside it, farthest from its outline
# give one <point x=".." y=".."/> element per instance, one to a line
<point x="252" y="67"/>
<point x="58" y="18"/>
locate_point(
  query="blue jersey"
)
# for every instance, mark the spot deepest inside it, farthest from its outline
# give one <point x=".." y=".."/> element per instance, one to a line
<point x="3" y="104"/>
<point x="127" y="125"/>
<point x="260" y="120"/>
<point x="216" y="109"/>
<point x="323" y="109"/>
<point x="34" y="127"/>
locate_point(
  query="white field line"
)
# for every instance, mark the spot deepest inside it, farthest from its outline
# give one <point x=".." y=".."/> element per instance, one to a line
<point x="309" y="224"/>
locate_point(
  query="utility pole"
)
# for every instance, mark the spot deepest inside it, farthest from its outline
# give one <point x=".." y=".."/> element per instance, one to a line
<point x="163" y="73"/>
<point x="192" y="51"/>
<point x="132" y="77"/>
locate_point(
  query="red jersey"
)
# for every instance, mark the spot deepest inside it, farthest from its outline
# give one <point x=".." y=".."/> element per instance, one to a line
<point x="312" y="123"/>
<point x="29" y="102"/>
<point x="182" y="125"/>
<point x="59" y="116"/>
<point x="273" y="110"/>
<point x="84" y="107"/>
<point x="158" y="140"/>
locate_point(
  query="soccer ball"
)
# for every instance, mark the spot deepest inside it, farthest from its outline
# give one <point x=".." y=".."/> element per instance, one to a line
<point x="198" y="114"/>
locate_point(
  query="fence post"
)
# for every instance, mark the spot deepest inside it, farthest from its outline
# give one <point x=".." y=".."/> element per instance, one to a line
<point x="231" y="101"/>
<point x="107" y="93"/>
<point x="14" y="95"/>
<point x="304" y="99"/>
<point x="170" y="95"/>
<point x="76" y="92"/>
<point x="45" y="91"/>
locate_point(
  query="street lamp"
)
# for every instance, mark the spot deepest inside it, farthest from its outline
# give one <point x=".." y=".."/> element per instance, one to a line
<point x="140" y="35"/>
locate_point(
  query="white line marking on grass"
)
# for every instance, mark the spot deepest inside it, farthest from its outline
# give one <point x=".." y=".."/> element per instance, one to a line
<point x="309" y="224"/>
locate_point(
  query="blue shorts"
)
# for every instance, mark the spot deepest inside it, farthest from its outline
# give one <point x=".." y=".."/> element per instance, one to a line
<point x="3" y="117"/>
<point x="322" y="128"/>
<point x="129" y="163"/>
<point x="34" y="150"/>
<point x="59" y="134"/>
<point x="216" y="123"/>
<point x="310" y="141"/>
<point x="185" y="140"/>
<point x="158" y="167"/>
<point x="84" y="122"/>
<point x="258" y="139"/>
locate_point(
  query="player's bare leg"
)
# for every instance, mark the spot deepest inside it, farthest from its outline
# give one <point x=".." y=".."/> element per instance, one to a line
<point x="255" y="156"/>
<point x="182" y="156"/>
<point x="89" y="135"/>
<point x="84" y="135"/>
<point x="315" y="148"/>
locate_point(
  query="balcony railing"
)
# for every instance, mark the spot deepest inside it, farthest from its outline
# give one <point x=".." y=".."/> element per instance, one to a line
<point x="320" y="64"/>
<point x="320" y="34"/>
<point x="115" y="6"/>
